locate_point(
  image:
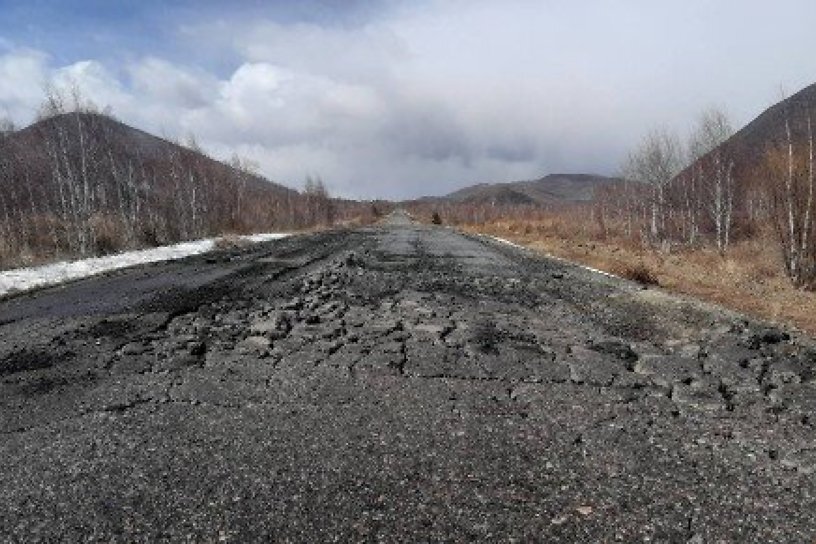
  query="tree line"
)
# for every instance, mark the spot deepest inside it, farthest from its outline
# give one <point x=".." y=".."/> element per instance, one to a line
<point x="704" y="191"/>
<point x="695" y="192"/>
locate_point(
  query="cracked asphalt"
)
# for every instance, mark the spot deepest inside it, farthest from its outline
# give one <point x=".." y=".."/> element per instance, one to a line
<point x="397" y="383"/>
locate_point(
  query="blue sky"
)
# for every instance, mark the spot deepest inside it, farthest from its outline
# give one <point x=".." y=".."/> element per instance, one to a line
<point x="117" y="29"/>
<point x="72" y="31"/>
<point x="400" y="98"/>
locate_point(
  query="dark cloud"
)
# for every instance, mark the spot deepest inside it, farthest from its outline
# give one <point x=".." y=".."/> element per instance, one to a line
<point x="427" y="133"/>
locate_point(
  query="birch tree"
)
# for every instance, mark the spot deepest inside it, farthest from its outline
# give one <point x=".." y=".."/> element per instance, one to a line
<point x="790" y="183"/>
<point x="713" y="169"/>
<point x="655" y="162"/>
<point x="6" y="126"/>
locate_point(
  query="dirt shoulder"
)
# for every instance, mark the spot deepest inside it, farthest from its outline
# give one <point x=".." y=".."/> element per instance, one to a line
<point x="748" y="279"/>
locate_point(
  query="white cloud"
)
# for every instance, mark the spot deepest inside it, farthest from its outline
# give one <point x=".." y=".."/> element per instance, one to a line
<point x="23" y="73"/>
<point x="94" y="82"/>
<point x="354" y="55"/>
<point x="162" y="81"/>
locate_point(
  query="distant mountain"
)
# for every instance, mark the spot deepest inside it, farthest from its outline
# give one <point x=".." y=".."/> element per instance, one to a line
<point x="550" y="190"/>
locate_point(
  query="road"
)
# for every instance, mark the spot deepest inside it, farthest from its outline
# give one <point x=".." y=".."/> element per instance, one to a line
<point x="397" y="383"/>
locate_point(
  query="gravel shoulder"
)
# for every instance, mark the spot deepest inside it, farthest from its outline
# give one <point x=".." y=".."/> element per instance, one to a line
<point x="398" y="383"/>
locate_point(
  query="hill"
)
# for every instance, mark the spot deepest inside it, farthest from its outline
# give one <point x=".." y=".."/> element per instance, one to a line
<point x="104" y="139"/>
<point x="748" y="146"/>
<point x="85" y="183"/>
<point x="552" y="189"/>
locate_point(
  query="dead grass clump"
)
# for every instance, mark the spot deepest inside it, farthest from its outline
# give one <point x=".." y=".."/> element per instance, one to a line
<point x="640" y="273"/>
<point x="7" y="254"/>
<point x="109" y="234"/>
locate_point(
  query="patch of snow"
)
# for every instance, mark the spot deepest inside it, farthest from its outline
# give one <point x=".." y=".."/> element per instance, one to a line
<point x="263" y="237"/>
<point x="553" y="257"/>
<point x="23" y="279"/>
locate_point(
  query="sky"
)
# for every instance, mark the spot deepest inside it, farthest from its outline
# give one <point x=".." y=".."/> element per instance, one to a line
<point x="399" y="98"/>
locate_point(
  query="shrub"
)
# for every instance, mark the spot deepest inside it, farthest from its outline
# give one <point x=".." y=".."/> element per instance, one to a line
<point x="640" y="273"/>
<point x="108" y="235"/>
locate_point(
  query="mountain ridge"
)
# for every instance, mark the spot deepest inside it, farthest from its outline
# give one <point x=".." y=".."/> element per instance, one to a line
<point x="551" y="189"/>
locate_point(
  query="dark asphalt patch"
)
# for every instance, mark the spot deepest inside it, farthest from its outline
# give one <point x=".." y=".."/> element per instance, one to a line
<point x="26" y="360"/>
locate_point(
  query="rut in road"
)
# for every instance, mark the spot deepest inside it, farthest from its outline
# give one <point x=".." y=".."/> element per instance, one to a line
<point x="399" y="382"/>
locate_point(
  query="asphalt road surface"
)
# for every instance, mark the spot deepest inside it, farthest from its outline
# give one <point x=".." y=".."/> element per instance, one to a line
<point x="397" y="383"/>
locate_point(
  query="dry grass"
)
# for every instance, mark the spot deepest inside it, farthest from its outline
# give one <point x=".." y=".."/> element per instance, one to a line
<point x="748" y="279"/>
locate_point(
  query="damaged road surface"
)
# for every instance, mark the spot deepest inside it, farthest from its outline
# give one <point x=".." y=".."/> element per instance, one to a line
<point x="397" y="383"/>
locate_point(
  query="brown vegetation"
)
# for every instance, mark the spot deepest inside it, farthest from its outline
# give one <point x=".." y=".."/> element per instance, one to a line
<point x="748" y="278"/>
<point x="640" y="273"/>
<point x="80" y="183"/>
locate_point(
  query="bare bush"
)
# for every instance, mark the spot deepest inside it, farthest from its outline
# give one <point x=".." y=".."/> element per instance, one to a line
<point x="639" y="273"/>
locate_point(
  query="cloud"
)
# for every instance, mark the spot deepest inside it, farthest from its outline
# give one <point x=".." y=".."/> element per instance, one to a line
<point x="163" y="81"/>
<point x="356" y="55"/>
<point x="421" y="97"/>
<point x="95" y="83"/>
<point x="23" y="72"/>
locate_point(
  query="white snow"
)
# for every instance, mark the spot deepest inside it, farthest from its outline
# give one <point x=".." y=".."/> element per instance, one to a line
<point x="553" y="257"/>
<point x="23" y="279"/>
<point x="264" y="237"/>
